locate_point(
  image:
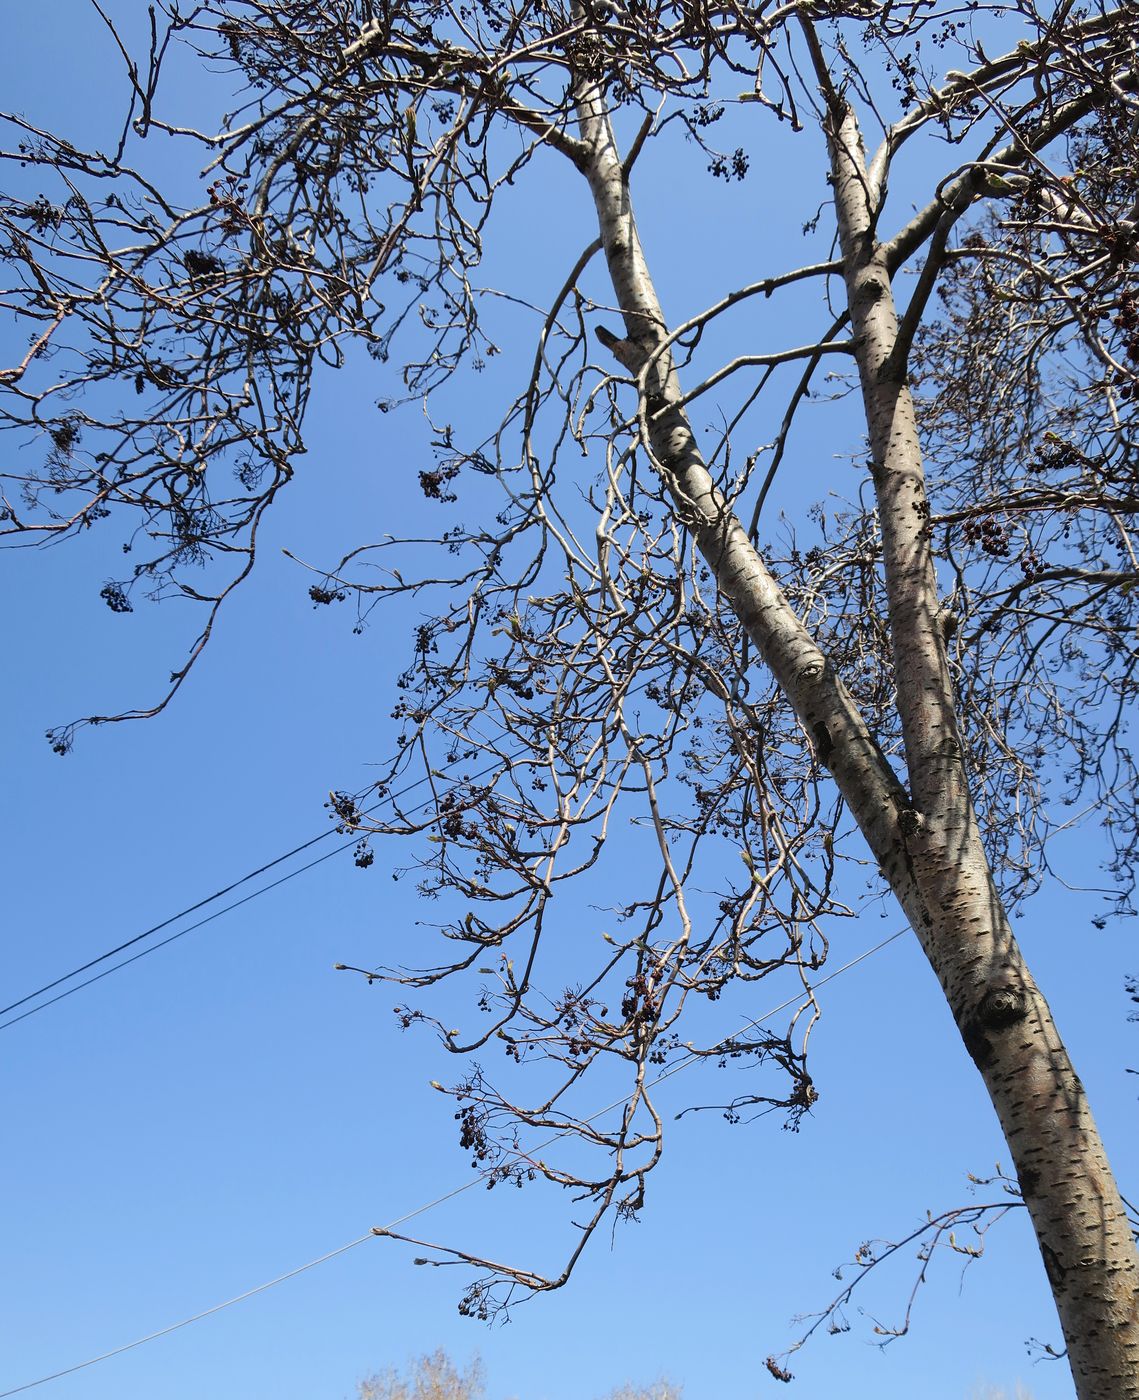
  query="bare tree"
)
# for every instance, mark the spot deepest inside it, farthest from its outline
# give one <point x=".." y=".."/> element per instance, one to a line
<point x="431" y="1377"/>
<point x="659" y="1390"/>
<point x="926" y="674"/>
<point x="436" y="1377"/>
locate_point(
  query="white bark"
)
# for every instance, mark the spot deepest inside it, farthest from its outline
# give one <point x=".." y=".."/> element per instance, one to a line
<point x="1004" y="1020"/>
<point x="926" y="839"/>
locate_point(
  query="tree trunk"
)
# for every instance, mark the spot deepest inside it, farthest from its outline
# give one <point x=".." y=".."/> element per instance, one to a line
<point x="926" y="840"/>
<point x="1004" y="1020"/>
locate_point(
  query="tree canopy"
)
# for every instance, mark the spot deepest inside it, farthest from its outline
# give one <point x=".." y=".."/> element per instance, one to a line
<point x="629" y="682"/>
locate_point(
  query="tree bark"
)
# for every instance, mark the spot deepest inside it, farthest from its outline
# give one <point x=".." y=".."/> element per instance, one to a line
<point x="925" y="839"/>
<point x="1004" y="1019"/>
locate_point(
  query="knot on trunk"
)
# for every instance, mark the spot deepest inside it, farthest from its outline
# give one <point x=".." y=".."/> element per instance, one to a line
<point x="998" y="1009"/>
<point x="1001" y="1007"/>
<point x="870" y="289"/>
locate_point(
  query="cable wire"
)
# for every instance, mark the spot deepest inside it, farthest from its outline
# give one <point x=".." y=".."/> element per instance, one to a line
<point x="202" y="904"/>
<point x="390" y="797"/>
<point x="157" y="928"/>
<point x="154" y="947"/>
<point x="378" y="1232"/>
<point x="175" y="1326"/>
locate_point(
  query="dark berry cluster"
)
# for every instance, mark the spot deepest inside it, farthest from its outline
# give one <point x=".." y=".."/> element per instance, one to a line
<point x="730" y="167"/>
<point x="41" y="213"/>
<point x="433" y="484"/>
<point x="65" y="435"/>
<point x="363" y="855"/>
<point x="227" y="198"/>
<point x="202" y="266"/>
<point x="115" y="598"/>
<point x="451" y="819"/>
<point x="990" y="534"/>
<point x="472" y="1134"/>
<point x="638" y="1004"/>
<point x="475" y="1302"/>
<point x="345" y="809"/>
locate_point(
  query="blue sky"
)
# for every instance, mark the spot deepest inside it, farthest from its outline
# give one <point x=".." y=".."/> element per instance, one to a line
<point x="230" y="1107"/>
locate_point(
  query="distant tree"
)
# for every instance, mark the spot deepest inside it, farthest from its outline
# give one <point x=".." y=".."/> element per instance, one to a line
<point x="436" y="1377"/>
<point x="931" y="672"/>
<point x="659" y="1390"/>
<point x="433" y="1376"/>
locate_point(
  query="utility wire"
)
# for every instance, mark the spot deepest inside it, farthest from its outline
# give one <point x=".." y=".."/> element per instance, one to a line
<point x="378" y="1232"/>
<point x="202" y="904"/>
<point x="154" y="947"/>
<point x="175" y="1326"/>
<point x="157" y="928"/>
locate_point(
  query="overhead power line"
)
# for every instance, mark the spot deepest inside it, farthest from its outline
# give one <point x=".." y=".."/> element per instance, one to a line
<point x="205" y="903"/>
<point x="157" y="928"/>
<point x="475" y="1180"/>
<point x="154" y="947"/>
<point x="176" y="1326"/>
<point x="193" y="909"/>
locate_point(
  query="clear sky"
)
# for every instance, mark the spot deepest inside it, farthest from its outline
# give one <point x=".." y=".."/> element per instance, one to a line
<point x="230" y="1108"/>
